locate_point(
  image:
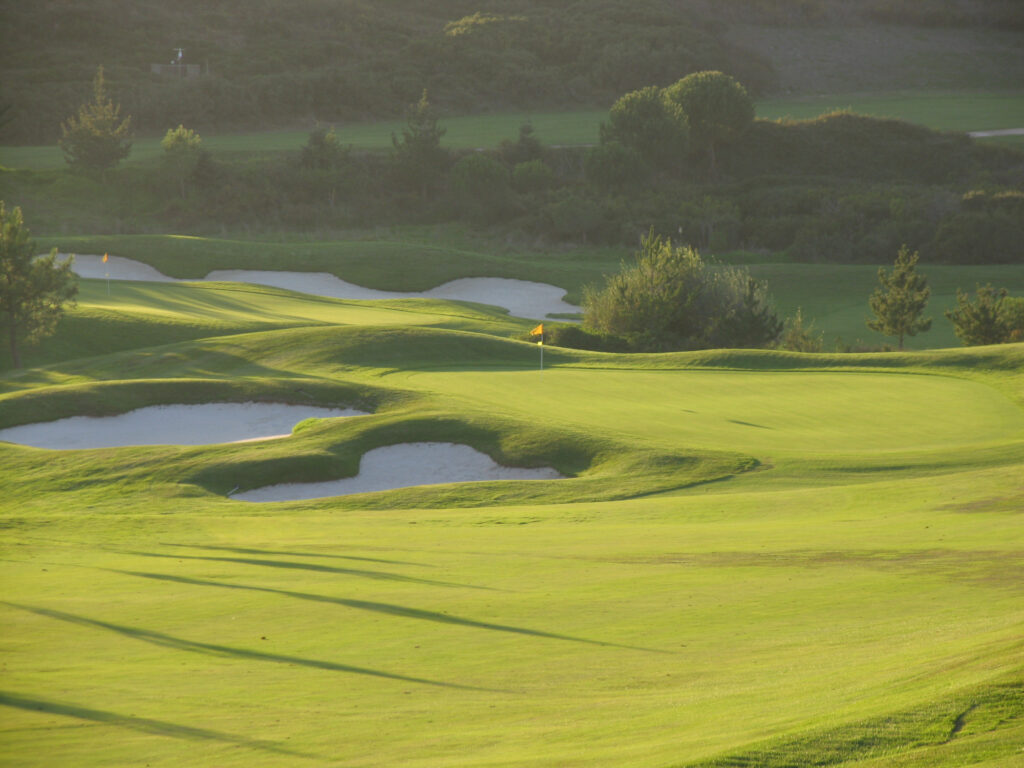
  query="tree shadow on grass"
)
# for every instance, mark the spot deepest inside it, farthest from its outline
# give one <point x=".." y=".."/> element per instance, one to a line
<point x="385" y="608"/>
<point x="248" y="551"/>
<point x="213" y="649"/>
<point x="144" y="724"/>
<point x="292" y="565"/>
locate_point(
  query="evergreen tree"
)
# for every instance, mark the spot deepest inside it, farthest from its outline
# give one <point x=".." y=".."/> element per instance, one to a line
<point x="982" y="321"/>
<point x="97" y="138"/>
<point x="900" y="299"/>
<point x="182" y="148"/>
<point x="418" y="154"/>
<point x="33" y="290"/>
<point x="799" y="335"/>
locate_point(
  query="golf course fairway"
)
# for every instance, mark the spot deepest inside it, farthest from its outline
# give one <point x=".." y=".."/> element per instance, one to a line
<point x="754" y="557"/>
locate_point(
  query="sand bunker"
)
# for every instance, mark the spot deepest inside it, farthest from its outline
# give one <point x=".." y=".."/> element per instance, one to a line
<point x="172" y="425"/>
<point x="521" y="298"/>
<point x="399" y="466"/>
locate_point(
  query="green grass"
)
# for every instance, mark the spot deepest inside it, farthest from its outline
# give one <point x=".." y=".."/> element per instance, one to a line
<point x="949" y="112"/>
<point x="834" y="296"/>
<point x="759" y="558"/>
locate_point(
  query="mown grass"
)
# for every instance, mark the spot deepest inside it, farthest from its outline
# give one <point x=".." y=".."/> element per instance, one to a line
<point x="134" y="315"/>
<point x="948" y="112"/>
<point x="758" y="558"/>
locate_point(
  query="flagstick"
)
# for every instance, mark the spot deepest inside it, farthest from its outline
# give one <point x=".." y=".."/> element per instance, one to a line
<point x="541" y="345"/>
<point x="108" y="283"/>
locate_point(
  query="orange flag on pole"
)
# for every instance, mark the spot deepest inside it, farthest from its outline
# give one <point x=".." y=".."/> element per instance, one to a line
<point x="539" y="330"/>
<point x="105" y="257"/>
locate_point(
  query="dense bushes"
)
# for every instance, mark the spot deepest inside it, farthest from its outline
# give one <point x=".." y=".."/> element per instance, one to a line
<point x="994" y="317"/>
<point x="668" y="299"/>
<point x="950" y="199"/>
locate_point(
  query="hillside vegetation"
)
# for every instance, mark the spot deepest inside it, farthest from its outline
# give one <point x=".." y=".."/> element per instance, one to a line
<point x="287" y="64"/>
<point x="841" y="188"/>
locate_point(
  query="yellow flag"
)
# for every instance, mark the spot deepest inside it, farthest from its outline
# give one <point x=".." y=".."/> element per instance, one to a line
<point x="539" y="330"/>
<point x="105" y="256"/>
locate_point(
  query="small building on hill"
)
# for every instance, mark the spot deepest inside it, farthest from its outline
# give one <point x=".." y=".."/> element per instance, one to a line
<point x="177" y="67"/>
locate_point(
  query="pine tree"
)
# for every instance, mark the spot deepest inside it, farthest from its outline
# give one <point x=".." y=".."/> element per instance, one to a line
<point x="900" y="299"/>
<point x="418" y="154"/>
<point x="97" y="138"/>
<point x="182" y="149"/>
<point x="33" y="290"/>
<point x="982" y="321"/>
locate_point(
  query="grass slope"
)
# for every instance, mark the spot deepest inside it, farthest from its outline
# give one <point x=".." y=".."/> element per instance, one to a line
<point x="135" y="315"/>
<point x="844" y="593"/>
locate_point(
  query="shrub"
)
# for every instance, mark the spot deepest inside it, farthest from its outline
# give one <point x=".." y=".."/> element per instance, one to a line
<point x="532" y="176"/>
<point x="577" y="337"/>
<point x="993" y="317"/>
<point x="800" y="336"/>
<point x="182" y="150"/>
<point x="572" y="215"/>
<point x="669" y="300"/>
<point x="613" y="166"/>
<point x="525" y="149"/>
<point x="481" y="187"/>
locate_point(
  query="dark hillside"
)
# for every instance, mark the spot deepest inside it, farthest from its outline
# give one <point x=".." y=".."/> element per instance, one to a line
<point x="289" y="63"/>
<point x="270" y="63"/>
<point x="844" y="145"/>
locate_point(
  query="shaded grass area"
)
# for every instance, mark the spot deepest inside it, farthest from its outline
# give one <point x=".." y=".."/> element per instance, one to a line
<point x="939" y="728"/>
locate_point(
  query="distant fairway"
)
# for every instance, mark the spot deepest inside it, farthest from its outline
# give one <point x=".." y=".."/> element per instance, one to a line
<point x="967" y="111"/>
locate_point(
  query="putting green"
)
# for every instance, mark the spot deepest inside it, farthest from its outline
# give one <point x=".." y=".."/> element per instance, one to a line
<point x="783" y="412"/>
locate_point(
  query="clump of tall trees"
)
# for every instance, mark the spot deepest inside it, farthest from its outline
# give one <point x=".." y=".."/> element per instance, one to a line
<point x="698" y="114"/>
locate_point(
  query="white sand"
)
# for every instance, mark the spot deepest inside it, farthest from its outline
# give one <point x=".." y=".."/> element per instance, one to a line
<point x="399" y="466"/>
<point x="116" y="268"/>
<point x="1001" y="132"/>
<point x="172" y="425"/>
<point x="521" y="298"/>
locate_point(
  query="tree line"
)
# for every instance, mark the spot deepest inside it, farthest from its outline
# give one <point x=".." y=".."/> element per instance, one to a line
<point x="670" y="299"/>
<point x="842" y="188"/>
